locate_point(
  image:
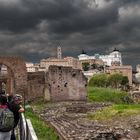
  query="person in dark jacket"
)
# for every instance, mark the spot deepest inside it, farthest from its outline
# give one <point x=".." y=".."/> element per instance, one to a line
<point x="16" y="107"/>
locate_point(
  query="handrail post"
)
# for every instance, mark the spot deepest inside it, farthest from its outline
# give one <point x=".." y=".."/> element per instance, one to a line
<point x="26" y="129"/>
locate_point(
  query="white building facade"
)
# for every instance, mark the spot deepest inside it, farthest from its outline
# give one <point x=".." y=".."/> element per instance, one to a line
<point x="113" y="57"/>
<point x="3" y="70"/>
<point x="30" y="67"/>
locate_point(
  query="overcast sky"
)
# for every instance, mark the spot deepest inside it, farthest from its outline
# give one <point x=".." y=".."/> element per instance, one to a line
<point x="33" y="29"/>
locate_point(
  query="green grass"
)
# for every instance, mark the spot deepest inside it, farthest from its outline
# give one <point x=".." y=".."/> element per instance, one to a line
<point x="115" y="111"/>
<point x="119" y="109"/>
<point x="38" y="104"/>
<point x="43" y="131"/>
<point x="106" y="95"/>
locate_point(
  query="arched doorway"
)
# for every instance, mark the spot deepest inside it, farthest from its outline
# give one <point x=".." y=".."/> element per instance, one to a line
<point x="7" y="82"/>
<point x="16" y="80"/>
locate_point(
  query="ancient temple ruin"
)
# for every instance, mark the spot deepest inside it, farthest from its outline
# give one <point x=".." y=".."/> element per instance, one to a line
<point x="65" y="84"/>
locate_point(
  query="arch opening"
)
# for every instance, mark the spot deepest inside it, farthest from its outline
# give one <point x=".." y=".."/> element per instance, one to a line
<point x="7" y="81"/>
<point x="13" y="75"/>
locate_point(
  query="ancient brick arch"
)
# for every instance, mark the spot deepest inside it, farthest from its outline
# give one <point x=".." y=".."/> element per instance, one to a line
<point x="17" y="68"/>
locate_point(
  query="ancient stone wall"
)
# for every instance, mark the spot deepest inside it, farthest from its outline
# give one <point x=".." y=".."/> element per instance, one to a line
<point x="36" y="83"/>
<point x="18" y="73"/>
<point x="65" y="83"/>
<point x="60" y="84"/>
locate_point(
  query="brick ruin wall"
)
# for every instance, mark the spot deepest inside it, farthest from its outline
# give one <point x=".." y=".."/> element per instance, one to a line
<point x="62" y="84"/>
<point x="17" y="78"/>
<point x="66" y="84"/>
<point x="36" y="83"/>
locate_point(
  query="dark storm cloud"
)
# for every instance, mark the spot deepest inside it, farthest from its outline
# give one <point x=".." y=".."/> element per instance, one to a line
<point x="61" y="15"/>
<point x="33" y="28"/>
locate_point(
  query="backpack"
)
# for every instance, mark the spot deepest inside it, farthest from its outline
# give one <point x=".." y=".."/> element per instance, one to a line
<point x="6" y="120"/>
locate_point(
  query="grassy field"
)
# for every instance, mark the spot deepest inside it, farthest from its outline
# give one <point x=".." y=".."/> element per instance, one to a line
<point x="106" y="95"/>
<point x="120" y="107"/>
<point x="115" y="111"/>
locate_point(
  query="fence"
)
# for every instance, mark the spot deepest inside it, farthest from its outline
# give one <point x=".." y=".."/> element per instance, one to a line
<point x="26" y="129"/>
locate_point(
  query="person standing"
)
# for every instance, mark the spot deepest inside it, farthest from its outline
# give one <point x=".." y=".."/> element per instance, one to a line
<point x="16" y="107"/>
<point x="6" y="119"/>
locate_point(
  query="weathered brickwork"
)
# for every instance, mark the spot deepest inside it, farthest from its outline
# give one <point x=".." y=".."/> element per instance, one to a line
<point x="65" y="83"/>
<point x="36" y="83"/>
<point x="17" y="74"/>
<point x="59" y="84"/>
<point x="125" y="70"/>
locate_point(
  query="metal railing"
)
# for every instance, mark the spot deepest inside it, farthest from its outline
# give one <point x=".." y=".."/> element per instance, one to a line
<point x="26" y="129"/>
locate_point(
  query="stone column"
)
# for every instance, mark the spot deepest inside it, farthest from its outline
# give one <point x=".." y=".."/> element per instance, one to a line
<point x="0" y="86"/>
<point x="10" y="82"/>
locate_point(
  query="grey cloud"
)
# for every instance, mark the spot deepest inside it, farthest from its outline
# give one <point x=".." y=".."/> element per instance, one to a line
<point x="62" y="15"/>
<point x="28" y="13"/>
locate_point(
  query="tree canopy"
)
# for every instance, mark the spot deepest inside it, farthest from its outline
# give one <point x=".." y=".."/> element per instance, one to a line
<point x="116" y="80"/>
<point x="85" y="66"/>
<point x="99" y="80"/>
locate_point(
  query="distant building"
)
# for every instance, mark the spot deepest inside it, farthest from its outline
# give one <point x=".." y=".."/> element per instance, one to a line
<point x="73" y="62"/>
<point x="114" y="58"/>
<point x="124" y="70"/>
<point x="52" y="61"/>
<point x="59" y="61"/>
<point x="31" y="67"/>
<point x="66" y="62"/>
<point x="138" y="68"/>
<point x="41" y="69"/>
<point x="93" y="61"/>
<point x="3" y="70"/>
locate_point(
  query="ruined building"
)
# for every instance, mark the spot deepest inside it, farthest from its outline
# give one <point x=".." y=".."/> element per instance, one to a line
<point x="58" y="84"/>
<point x="65" y="83"/>
<point x="15" y="79"/>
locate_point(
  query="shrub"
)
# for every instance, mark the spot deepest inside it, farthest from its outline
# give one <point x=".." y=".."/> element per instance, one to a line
<point x="97" y="94"/>
<point x="99" y="80"/>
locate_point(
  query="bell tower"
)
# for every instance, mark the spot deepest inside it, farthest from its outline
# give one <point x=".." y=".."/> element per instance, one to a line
<point x="59" y="52"/>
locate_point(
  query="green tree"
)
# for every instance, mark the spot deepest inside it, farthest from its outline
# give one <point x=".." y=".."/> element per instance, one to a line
<point x="125" y="82"/>
<point x="115" y="80"/>
<point x="99" y="80"/>
<point x="85" y="66"/>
